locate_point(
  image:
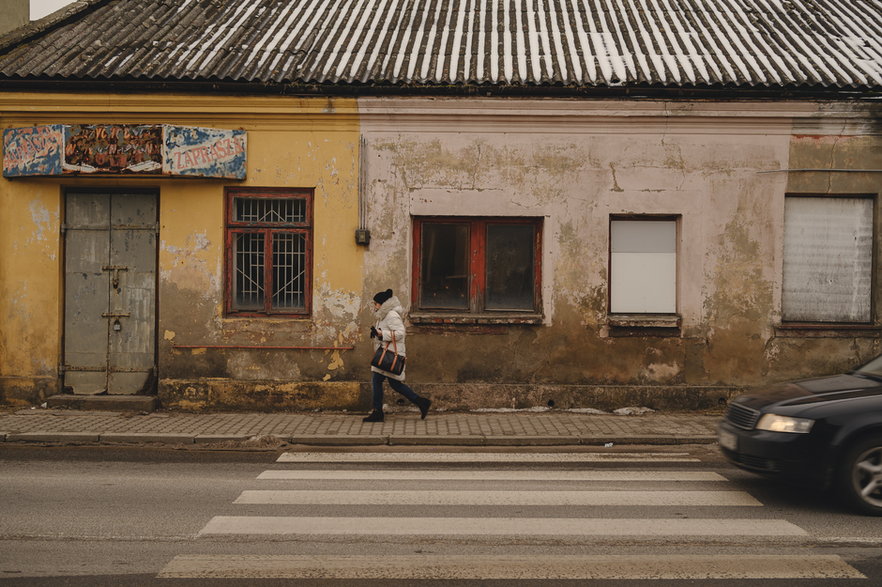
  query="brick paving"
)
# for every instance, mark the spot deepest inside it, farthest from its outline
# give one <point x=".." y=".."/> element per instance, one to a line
<point x="515" y="428"/>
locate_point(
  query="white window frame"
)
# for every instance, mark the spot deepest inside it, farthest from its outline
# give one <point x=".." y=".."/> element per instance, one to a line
<point x="643" y="273"/>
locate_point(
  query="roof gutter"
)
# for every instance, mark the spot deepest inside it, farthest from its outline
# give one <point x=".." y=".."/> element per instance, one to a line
<point x="637" y="92"/>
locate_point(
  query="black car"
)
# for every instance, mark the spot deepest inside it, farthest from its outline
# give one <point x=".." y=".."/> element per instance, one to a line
<point x="826" y="431"/>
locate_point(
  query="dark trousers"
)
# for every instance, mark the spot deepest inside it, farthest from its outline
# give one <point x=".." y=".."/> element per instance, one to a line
<point x="399" y="386"/>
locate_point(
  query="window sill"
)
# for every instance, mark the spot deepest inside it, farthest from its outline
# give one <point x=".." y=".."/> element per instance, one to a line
<point x="434" y="319"/>
<point x="643" y="320"/>
<point x="643" y="325"/>
<point x="820" y="329"/>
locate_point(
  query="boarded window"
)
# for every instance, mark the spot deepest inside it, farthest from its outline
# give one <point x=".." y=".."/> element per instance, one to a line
<point x="828" y="259"/>
<point x="269" y="243"/>
<point x="477" y="264"/>
<point x="643" y="266"/>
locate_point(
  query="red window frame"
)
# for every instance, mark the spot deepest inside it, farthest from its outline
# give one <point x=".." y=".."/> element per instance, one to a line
<point x="268" y="230"/>
<point x="477" y="272"/>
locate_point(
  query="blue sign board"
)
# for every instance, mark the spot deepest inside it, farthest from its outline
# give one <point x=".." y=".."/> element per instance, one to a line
<point x="36" y="150"/>
<point x="204" y="152"/>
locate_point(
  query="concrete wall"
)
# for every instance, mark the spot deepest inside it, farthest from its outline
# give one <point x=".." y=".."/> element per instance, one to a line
<point x="722" y="169"/>
<point x="291" y="143"/>
<point x="14" y="13"/>
<point x="716" y="166"/>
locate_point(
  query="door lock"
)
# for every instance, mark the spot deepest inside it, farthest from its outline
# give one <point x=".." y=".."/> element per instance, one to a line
<point x="114" y="281"/>
<point x="116" y="325"/>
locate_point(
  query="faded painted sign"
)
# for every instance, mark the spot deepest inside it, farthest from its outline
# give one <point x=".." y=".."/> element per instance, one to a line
<point x="36" y="150"/>
<point x="204" y="152"/>
<point x="113" y="148"/>
<point x="121" y="149"/>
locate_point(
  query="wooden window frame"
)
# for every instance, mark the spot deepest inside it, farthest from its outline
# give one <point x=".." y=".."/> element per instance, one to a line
<point x="267" y="229"/>
<point x="477" y="274"/>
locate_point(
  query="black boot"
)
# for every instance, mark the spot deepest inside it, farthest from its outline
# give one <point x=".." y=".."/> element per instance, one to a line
<point x="423" y="404"/>
<point x="374" y="416"/>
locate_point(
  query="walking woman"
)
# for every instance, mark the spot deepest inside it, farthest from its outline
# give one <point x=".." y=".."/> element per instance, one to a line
<point x="389" y="325"/>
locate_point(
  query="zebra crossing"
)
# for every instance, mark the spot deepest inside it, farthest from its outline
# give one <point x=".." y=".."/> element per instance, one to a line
<point x="517" y="502"/>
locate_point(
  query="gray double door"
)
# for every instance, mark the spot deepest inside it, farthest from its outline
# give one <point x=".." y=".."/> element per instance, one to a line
<point x="110" y="292"/>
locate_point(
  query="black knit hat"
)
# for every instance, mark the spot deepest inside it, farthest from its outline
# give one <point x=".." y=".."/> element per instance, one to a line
<point x="383" y="296"/>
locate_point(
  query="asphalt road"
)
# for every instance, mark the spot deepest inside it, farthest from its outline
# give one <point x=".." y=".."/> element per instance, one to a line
<point x="131" y="516"/>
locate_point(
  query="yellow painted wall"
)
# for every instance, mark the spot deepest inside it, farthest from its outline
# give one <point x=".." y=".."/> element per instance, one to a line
<point x="292" y="142"/>
<point x="29" y="285"/>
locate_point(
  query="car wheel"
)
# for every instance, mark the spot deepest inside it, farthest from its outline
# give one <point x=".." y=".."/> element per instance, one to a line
<point x="860" y="478"/>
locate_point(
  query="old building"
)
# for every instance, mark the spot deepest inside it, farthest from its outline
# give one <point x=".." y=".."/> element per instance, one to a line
<point x="584" y="204"/>
<point x="15" y="13"/>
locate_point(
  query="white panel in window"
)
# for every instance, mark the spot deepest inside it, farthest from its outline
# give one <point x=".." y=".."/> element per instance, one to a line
<point x="643" y="272"/>
<point x="828" y="259"/>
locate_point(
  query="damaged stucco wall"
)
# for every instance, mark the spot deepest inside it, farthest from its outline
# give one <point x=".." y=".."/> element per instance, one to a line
<point x="292" y="142"/>
<point x="29" y="284"/>
<point x="849" y="144"/>
<point x="314" y="145"/>
<point x="715" y="166"/>
<point x="720" y="168"/>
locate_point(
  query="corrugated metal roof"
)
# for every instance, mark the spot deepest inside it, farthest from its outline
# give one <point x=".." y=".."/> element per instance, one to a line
<point x="834" y="44"/>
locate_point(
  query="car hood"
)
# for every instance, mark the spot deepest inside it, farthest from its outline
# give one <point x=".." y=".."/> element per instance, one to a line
<point x="810" y="391"/>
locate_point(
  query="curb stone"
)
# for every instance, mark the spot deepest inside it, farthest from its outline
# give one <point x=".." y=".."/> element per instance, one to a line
<point x="165" y="438"/>
<point x="53" y="437"/>
<point x="533" y="440"/>
<point x="340" y="440"/>
<point x="213" y="438"/>
<point x="436" y="440"/>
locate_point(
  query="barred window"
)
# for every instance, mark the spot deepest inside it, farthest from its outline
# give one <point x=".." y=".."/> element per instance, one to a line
<point x="269" y="244"/>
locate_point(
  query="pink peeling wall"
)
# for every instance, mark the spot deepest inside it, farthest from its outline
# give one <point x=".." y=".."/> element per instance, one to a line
<point x="715" y="166"/>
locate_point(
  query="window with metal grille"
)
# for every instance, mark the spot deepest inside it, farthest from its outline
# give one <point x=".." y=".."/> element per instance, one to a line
<point x="477" y="265"/>
<point x="269" y="251"/>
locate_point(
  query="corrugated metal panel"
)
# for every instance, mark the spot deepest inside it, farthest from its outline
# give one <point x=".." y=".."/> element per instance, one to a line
<point x="828" y="259"/>
<point x="576" y="43"/>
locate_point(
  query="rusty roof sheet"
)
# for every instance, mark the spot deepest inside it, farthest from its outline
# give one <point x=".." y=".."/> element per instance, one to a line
<point x="831" y="44"/>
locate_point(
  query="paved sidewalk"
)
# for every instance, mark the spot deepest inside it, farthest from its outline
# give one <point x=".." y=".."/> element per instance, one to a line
<point x="514" y="428"/>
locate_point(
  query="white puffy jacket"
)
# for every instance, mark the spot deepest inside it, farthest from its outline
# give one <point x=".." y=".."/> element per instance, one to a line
<point x="389" y="322"/>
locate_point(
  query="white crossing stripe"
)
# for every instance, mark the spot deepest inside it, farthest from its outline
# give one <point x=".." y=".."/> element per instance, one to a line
<point x="488" y="475"/>
<point x="482" y="457"/>
<point x="500" y="498"/>
<point x="511" y="567"/>
<point x="372" y="526"/>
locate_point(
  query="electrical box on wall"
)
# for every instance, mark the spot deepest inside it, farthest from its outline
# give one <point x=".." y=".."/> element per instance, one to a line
<point x="363" y="237"/>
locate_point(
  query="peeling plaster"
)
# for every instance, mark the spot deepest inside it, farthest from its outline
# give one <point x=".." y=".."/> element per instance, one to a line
<point x="615" y="187"/>
<point x="43" y="221"/>
<point x="660" y="372"/>
<point x="336" y="361"/>
<point x="190" y="266"/>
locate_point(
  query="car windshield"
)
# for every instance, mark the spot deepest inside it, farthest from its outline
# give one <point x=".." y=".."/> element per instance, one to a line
<point x="872" y="369"/>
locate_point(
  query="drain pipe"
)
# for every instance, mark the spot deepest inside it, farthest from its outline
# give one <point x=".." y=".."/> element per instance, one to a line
<point x="362" y="234"/>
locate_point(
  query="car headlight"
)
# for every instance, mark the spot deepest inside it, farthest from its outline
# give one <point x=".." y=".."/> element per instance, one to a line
<point x="776" y="423"/>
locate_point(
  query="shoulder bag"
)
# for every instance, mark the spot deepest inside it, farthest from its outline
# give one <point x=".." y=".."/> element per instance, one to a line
<point x="388" y="360"/>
